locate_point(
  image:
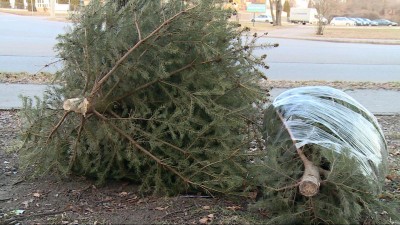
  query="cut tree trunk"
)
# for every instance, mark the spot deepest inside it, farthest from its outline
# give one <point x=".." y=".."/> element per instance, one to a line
<point x="311" y="180"/>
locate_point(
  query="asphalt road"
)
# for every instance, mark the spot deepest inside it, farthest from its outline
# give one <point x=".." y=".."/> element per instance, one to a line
<point x="26" y="44"/>
<point x="330" y="61"/>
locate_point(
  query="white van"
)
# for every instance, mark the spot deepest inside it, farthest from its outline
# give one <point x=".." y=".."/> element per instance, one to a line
<point x="305" y="15"/>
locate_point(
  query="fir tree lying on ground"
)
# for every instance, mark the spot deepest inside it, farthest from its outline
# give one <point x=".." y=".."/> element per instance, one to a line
<point x="325" y="160"/>
<point x="157" y="92"/>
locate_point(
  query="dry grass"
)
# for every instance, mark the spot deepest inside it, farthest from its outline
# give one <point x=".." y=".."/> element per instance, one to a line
<point x="363" y="32"/>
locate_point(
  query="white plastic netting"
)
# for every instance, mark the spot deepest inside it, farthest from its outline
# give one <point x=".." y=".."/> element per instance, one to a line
<point x="332" y="119"/>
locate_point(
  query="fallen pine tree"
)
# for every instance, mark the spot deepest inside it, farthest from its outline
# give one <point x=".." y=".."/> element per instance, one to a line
<point x="156" y="92"/>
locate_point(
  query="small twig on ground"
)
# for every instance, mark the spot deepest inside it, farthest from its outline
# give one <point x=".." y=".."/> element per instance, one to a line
<point x="5" y="199"/>
<point x="24" y="217"/>
<point x="195" y="196"/>
<point x="18" y="181"/>
<point x="175" y="212"/>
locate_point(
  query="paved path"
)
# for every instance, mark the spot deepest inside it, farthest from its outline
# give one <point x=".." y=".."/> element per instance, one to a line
<point x="376" y="101"/>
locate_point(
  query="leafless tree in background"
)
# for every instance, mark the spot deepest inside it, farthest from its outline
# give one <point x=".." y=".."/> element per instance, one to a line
<point x="276" y="17"/>
<point x="278" y="20"/>
<point x="271" y="7"/>
<point x="323" y="7"/>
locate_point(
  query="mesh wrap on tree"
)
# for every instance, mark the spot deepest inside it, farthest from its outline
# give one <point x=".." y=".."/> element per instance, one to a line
<point x="332" y="119"/>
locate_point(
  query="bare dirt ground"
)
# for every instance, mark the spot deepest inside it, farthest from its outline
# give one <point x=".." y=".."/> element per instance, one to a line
<point x="49" y="200"/>
<point x="77" y="200"/>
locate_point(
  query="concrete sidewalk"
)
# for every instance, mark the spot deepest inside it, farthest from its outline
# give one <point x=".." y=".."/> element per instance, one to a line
<point x="382" y="102"/>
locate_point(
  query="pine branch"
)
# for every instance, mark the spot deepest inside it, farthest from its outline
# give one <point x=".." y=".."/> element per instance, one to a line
<point x="58" y="125"/>
<point x="75" y="149"/>
<point x="100" y="83"/>
<point x="86" y="55"/>
<point x="137" y="28"/>
<point x="190" y="65"/>
<point x="153" y="137"/>
<point x="147" y="153"/>
<point x="216" y="162"/>
<point x="284" y="188"/>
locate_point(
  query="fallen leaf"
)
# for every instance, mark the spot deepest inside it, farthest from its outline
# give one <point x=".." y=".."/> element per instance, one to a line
<point x="210" y="216"/>
<point x="89" y="210"/>
<point x="206" y="207"/>
<point x="253" y="195"/>
<point x="234" y="208"/>
<point x="69" y="207"/>
<point x="204" y="220"/>
<point x="161" y="208"/>
<point x="107" y="199"/>
<point x="26" y="203"/>
<point x="390" y="177"/>
<point x="37" y="194"/>
<point x="123" y="194"/>
<point x="142" y="200"/>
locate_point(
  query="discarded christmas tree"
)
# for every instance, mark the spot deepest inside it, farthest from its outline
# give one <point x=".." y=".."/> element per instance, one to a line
<point x="156" y="92"/>
<point x="325" y="159"/>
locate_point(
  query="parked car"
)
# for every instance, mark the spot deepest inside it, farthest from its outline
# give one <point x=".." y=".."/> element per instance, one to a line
<point x="357" y="21"/>
<point x="262" y="18"/>
<point x="370" y="22"/>
<point x="383" y="22"/>
<point x="342" y="21"/>
<point x="364" y="22"/>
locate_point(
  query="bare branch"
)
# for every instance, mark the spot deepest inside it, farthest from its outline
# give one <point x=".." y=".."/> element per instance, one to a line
<point x="138" y="28"/>
<point x="47" y="65"/>
<point x="75" y="150"/>
<point x="58" y="125"/>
